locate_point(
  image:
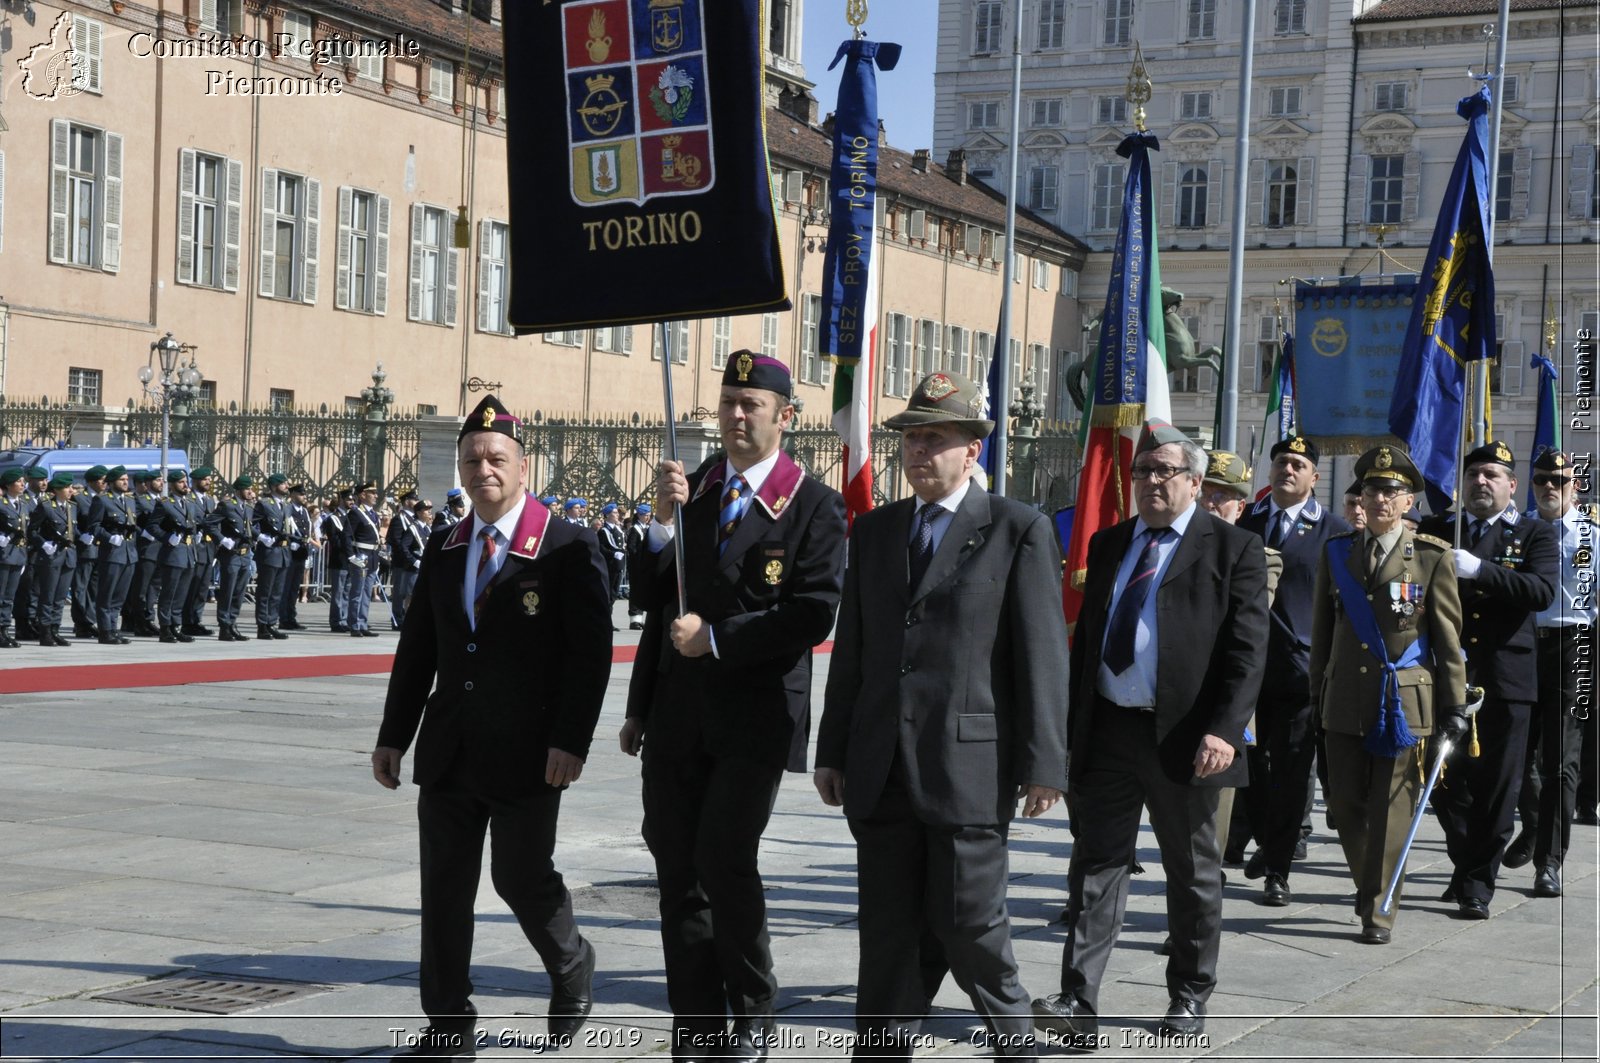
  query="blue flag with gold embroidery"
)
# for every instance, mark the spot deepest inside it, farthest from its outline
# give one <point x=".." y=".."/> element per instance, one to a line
<point x="1452" y="317"/>
<point x="638" y="163"/>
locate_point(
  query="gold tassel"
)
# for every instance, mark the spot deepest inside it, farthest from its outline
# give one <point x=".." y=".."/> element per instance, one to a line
<point x="1422" y="762"/>
<point x="1472" y="745"/>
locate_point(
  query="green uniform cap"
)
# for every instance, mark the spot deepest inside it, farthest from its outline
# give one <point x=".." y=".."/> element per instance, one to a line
<point x="243" y="482"/>
<point x="60" y="480"/>
<point x="37" y="472"/>
<point x="1227" y="469"/>
<point x="174" y="475"/>
<point x="277" y="478"/>
<point x="116" y="472"/>
<point x="99" y="472"/>
<point x="10" y="476"/>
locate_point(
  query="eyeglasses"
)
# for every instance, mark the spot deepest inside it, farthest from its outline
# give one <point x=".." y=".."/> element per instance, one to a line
<point x="1158" y="473"/>
<point x="1544" y="479"/>
<point x="1382" y="492"/>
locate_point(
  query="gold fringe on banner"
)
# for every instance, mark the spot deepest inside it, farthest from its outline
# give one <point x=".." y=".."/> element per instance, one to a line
<point x="1331" y="445"/>
<point x="1079" y="576"/>
<point x="1126" y="415"/>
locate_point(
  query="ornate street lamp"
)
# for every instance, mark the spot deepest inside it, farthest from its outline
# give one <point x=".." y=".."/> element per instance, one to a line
<point x="177" y="382"/>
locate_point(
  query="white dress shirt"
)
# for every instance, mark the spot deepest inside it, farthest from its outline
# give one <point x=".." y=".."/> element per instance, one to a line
<point x="661" y="534"/>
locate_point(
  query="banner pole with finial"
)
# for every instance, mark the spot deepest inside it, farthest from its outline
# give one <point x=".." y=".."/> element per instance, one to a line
<point x="672" y="455"/>
<point x="1232" y="330"/>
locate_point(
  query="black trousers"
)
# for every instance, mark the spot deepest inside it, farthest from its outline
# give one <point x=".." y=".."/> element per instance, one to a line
<point x="10" y="580"/>
<point x="194" y="609"/>
<point x="1555" y="743"/>
<point x="1122" y="777"/>
<point x="1281" y="775"/>
<point x="1476" y="801"/>
<point x="174" y="595"/>
<point x="703" y="820"/>
<point x="452" y="817"/>
<point x="933" y="898"/>
<point x="294" y="579"/>
<point x="112" y="578"/>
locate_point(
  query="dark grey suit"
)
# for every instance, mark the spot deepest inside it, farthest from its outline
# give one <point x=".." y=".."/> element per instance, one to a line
<point x="942" y="701"/>
<point x="1211" y="638"/>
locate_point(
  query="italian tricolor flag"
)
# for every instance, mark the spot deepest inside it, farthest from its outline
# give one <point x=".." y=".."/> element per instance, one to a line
<point x="852" y="408"/>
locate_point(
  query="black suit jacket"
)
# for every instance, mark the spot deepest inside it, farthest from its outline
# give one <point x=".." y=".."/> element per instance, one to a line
<point x="491" y="702"/>
<point x="1289" y="618"/>
<point x="770" y="597"/>
<point x="1211" y="632"/>
<point x="1521" y="563"/>
<point x="963" y="677"/>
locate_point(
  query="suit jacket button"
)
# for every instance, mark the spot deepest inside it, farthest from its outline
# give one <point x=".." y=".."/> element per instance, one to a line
<point x="1475" y="616"/>
<point x="472" y="647"/>
<point x="1369" y="597"/>
<point x="910" y="619"/>
<point x="1363" y="671"/>
<point x="905" y="669"/>
<point x="468" y="684"/>
<point x="1473" y="640"/>
<point x="1364" y="645"/>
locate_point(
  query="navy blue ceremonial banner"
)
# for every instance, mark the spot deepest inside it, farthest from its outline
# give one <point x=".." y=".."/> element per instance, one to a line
<point x="1122" y="364"/>
<point x="1347" y="346"/>
<point x="638" y="163"/>
<point x="847" y="314"/>
<point x="1452" y="315"/>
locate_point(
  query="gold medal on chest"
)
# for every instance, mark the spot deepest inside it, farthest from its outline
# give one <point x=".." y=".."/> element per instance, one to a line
<point x="774" y="572"/>
<point x="530" y="603"/>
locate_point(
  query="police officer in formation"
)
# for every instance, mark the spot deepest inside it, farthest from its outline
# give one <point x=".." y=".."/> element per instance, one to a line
<point x="115" y="519"/>
<point x="205" y="551"/>
<point x="236" y="535"/>
<point x="361" y="559"/>
<point x="295" y="575"/>
<point x="455" y="507"/>
<point x="83" y="576"/>
<point x="276" y="541"/>
<point x="176" y="525"/>
<point x="140" y="606"/>
<point x="1507" y="567"/>
<point x="27" y="598"/>
<point x="13" y="550"/>
<point x="407" y="538"/>
<point x="336" y="542"/>
<point x="52" y="557"/>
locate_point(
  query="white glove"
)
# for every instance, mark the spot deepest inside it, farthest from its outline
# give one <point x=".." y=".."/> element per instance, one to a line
<point x="174" y="539"/>
<point x="416" y="566"/>
<point x="227" y="543"/>
<point x="49" y="548"/>
<point x="264" y="539"/>
<point x="359" y="561"/>
<point x="617" y="554"/>
<point x="116" y="540"/>
<point x="86" y="540"/>
<point x="145" y="534"/>
<point x="1467" y="564"/>
<point x="5" y="540"/>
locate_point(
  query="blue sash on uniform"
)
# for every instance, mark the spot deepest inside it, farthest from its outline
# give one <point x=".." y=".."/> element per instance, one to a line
<point x="1391" y="735"/>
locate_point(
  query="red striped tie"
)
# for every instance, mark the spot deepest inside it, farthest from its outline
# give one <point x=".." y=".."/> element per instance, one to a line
<point x="485" y="565"/>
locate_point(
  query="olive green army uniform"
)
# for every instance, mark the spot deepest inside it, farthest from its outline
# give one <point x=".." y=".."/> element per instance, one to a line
<point x="1373" y="798"/>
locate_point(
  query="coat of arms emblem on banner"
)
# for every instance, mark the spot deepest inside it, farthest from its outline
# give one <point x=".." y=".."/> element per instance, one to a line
<point x="638" y="102"/>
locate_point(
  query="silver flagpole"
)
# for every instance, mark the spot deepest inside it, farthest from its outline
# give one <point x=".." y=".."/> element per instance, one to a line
<point x="672" y="455"/>
<point x="1232" y="330"/>
<point x="1000" y="404"/>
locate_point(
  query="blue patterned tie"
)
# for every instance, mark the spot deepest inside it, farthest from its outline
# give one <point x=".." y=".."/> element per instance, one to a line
<point x="1280" y="530"/>
<point x="922" y="544"/>
<point x="732" y="507"/>
<point x="1124" y="626"/>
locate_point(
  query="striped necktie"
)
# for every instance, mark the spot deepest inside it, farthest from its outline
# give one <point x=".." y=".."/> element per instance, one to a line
<point x="485" y="571"/>
<point x="1124" y="625"/>
<point x="732" y="508"/>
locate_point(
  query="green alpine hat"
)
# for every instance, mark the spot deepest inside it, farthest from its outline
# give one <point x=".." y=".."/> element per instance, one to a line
<point x="37" y="472"/>
<point x="174" y="475"/>
<point x="944" y="398"/>
<point x="116" y="472"/>
<point x="1227" y="469"/>
<point x="243" y="482"/>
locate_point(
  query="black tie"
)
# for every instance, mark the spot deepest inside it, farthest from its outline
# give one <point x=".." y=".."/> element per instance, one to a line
<point x="1478" y="528"/>
<point x="1124" y="626"/>
<point x="1280" y="530"/>
<point x="1374" y="559"/>
<point x="922" y="543"/>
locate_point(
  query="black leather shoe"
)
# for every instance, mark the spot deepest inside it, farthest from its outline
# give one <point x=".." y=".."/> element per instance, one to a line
<point x="1276" y="892"/>
<point x="83" y="631"/>
<point x="634" y="625"/>
<point x="572" y="1001"/>
<point x="1183" y="1018"/>
<point x="1374" y="935"/>
<point x="1474" y="909"/>
<point x="109" y="640"/>
<point x="1257" y="866"/>
<point x="1165" y="948"/>
<point x="338" y="629"/>
<point x="355" y="634"/>
<point x="368" y="633"/>
<point x="179" y="636"/>
<point x="1587" y="816"/>
<point x="239" y="636"/>
<point x="750" y="1039"/>
<point x="8" y="642"/>
<point x="226" y="634"/>
<point x="292" y="625"/>
<point x="435" y="1043"/>
<point x="1449" y="893"/>
<point x="197" y="629"/>
<point x="1519" y="852"/>
<point x="263" y="633"/>
<point x="1067" y="1021"/>
<point x="1547" y="883"/>
<point x="275" y="633"/>
<point x="56" y="639"/>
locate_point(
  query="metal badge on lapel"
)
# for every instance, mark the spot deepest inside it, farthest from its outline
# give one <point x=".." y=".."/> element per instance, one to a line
<point x="529" y="543"/>
<point x="774" y="572"/>
<point x="530" y="603"/>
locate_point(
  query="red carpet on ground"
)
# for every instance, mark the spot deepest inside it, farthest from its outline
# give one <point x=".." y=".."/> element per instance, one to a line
<point x="179" y="672"/>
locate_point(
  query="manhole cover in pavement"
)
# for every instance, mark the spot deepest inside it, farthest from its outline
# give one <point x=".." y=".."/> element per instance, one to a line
<point x="215" y="996"/>
<point x="638" y="897"/>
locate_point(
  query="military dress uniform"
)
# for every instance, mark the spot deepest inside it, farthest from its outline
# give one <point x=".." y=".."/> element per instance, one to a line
<point x="275" y="534"/>
<point x="140" y="609"/>
<point x="1281" y="762"/>
<point x="205" y="555"/>
<point x="27" y="610"/>
<point x="176" y="525"/>
<point x="406" y="542"/>
<point x="336" y="541"/>
<point x="1412" y="598"/>
<point x="1518" y="564"/>
<point x="52" y="536"/>
<point x="361" y="562"/>
<point x="236" y="534"/>
<point x="83" y="576"/>
<point x="13" y="553"/>
<point x="116" y="524"/>
<point x="300" y="553"/>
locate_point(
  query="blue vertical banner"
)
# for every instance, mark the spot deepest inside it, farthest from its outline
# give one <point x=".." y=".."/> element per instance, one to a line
<point x="1347" y="343"/>
<point x="992" y="401"/>
<point x="1547" y="417"/>
<point x="847" y="319"/>
<point x="637" y="160"/>
<point x="1452" y="316"/>
<point x="1122" y="369"/>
